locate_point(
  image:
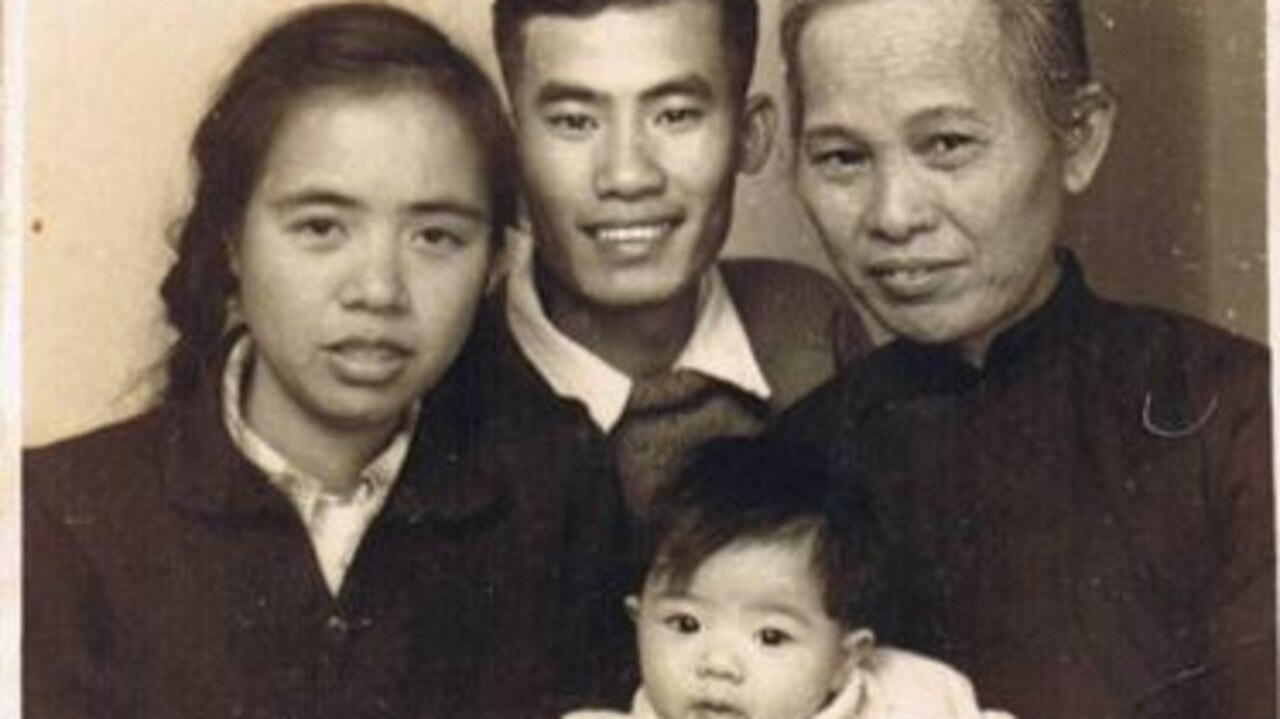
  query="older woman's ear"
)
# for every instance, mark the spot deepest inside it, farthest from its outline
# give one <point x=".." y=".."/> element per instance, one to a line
<point x="1087" y="137"/>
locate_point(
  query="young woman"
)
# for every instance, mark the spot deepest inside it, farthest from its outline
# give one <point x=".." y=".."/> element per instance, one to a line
<point x="248" y="547"/>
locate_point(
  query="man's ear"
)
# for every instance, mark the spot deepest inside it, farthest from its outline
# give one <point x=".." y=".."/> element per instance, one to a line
<point x="1085" y="142"/>
<point x="857" y="645"/>
<point x="633" y="606"/>
<point x="755" y="138"/>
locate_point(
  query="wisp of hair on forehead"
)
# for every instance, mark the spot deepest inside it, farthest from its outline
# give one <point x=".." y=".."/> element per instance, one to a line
<point x="359" y="47"/>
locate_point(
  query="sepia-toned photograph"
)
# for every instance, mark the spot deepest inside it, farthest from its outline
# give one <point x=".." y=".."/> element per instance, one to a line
<point x="661" y="359"/>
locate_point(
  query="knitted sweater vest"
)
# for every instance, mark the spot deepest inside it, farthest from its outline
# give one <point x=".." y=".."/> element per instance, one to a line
<point x="667" y="416"/>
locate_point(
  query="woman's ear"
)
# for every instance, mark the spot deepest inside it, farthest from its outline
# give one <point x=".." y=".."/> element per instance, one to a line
<point x="759" y="122"/>
<point x="1086" y="139"/>
<point x="233" y="254"/>
<point x="633" y="606"/>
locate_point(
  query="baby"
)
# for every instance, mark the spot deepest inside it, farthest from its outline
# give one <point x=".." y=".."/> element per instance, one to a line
<point x="753" y="603"/>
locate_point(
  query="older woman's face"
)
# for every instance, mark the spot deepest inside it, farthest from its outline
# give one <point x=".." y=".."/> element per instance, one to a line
<point x="934" y="184"/>
<point x="363" y="256"/>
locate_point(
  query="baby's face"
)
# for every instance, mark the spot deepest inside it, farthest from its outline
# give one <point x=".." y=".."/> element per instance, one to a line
<point x="748" y="638"/>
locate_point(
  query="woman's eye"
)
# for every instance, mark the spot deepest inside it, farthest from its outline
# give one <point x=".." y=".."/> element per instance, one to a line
<point x="772" y="637"/>
<point x="319" y="228"/>
<point x="437" y="237"/>
<point x="683" y="623"/>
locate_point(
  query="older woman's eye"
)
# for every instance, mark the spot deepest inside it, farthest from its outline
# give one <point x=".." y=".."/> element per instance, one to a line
<point x="839" y="163"/>
<point x="950" y="150"/>
<point x="318" y="229"/>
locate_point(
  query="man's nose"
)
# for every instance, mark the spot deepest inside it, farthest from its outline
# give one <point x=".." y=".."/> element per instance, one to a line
<point x="376" y="281"/>
<point x="627" y="167"/>
<point x="902" y="206"/>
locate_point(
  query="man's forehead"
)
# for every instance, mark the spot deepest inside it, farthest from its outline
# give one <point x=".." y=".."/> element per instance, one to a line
<point x="626" y="48"/>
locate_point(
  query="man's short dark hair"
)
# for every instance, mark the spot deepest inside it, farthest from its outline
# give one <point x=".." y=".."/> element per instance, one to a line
<point x="755" y="490"/>
<point x="739" y="29"/>
<point x="1046" y="51"/>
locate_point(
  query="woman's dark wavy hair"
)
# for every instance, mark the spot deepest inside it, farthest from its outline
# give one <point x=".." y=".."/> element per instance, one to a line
<point x="351" y="46"/>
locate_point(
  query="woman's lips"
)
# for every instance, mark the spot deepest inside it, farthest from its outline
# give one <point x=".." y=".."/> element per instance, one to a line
<point x="368" y="362"/>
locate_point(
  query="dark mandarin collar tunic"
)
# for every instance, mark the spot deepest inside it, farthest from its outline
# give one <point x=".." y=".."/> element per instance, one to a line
<point x="1087" y="519"/>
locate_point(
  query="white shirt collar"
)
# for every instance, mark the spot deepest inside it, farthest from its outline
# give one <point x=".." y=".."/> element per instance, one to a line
<point x="718" y="347"/>
<point x="378" y="475"/>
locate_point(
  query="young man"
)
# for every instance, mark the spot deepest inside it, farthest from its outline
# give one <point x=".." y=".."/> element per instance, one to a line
<point x="617" y="341"/>
<point x="632" y="127"/>
<point x="1087" y="485"/>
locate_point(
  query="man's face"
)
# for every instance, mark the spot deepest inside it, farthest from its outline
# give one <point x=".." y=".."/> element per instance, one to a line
<point x="934" y="184"/>
<point x="628" y="131"/>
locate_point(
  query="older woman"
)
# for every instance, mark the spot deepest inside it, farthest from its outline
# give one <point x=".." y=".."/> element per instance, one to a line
<point x="1087" y="485"/>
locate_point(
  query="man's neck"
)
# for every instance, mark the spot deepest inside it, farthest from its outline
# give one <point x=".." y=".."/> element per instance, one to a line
<point x="638" y="341"/>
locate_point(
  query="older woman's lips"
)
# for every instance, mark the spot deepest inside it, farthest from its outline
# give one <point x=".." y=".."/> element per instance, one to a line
<point x="912" y="280"/>
<point x="367" y="362"/>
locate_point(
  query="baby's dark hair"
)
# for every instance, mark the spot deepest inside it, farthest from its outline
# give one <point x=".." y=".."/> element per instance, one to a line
<point x="755" y="490"/>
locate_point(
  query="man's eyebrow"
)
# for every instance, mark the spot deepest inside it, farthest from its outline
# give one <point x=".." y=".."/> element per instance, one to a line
<point x="565" y="92"/>
<point x="692" y="85"/>
<point x="313" y="196"/>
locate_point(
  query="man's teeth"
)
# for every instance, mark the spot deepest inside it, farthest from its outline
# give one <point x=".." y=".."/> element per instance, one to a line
<point x="632" y="233"/>
<point x="907" y="272"/>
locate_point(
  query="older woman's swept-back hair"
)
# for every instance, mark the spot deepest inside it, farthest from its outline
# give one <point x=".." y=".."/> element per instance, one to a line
<point x="1045" y="39"/>
<point x="739" y="30"/>
<point x="356" y="46"/>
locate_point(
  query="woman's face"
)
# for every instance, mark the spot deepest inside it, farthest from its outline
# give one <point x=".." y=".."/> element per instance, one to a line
<point x="364" y="252"/>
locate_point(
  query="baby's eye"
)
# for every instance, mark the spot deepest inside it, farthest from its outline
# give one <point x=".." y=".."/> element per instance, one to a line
<point x="683" y="623"/>
<point x="774" y="637"/>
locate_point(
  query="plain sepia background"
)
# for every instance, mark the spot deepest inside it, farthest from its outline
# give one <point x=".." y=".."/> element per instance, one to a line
<point x="115" y="88"/>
